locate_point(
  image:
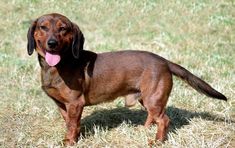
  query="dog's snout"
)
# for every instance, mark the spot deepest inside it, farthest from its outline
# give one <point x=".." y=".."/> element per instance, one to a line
<point x="52" y="43"/>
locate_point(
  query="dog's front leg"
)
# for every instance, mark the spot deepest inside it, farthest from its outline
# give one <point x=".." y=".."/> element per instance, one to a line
<point x="62" y="109"/>
<point x="74" y="112"/>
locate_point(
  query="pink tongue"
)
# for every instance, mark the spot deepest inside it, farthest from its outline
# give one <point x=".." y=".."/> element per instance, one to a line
<point x="52" y="59"/>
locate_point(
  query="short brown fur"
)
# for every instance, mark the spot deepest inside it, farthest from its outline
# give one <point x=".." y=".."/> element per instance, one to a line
<point x="84" y="78"/>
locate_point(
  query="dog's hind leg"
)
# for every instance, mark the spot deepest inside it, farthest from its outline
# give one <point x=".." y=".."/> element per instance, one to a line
<point x="156" y="114"/>
<point x="155" y="102"/>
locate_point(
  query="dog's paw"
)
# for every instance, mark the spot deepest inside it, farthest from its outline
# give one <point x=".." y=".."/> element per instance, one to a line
<point x="68" y="142"/>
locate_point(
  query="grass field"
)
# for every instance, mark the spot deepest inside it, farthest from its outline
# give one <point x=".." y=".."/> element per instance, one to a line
<point x="197" y="34"/>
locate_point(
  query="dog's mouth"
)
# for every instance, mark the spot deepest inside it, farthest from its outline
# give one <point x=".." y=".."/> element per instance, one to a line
<point x="52" y="59"/>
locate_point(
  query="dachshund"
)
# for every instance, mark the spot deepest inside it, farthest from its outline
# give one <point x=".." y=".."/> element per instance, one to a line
<point x="75" y="78"/>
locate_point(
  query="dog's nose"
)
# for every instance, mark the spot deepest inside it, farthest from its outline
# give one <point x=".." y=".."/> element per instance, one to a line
<point x="52" y="43"/>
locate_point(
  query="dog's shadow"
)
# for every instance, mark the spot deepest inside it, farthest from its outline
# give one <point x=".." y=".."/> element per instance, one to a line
<point x="107" y="119"/>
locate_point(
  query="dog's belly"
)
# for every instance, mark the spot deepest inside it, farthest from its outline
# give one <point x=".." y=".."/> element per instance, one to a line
<point x="103" y="89"/>
<point x="98" y="97"/>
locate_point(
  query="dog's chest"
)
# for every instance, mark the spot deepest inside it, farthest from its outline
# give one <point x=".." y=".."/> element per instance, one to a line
<point x="51" y="78"/>
<point x="56" y="87"/>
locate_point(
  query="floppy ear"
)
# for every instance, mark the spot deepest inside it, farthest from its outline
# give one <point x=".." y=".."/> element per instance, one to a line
<point x="31" y="42"/>
<point x="78" y="41"/>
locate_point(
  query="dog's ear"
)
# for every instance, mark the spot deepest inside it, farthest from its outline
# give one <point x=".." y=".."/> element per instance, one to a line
<point x="30" y="36"/>
<point x="78" y="41"/>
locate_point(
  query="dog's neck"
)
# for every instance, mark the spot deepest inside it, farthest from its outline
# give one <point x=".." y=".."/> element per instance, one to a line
<point x="69" y="61"/>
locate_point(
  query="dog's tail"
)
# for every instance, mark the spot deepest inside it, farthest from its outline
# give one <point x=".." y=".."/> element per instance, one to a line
<point x="195" y="82"/>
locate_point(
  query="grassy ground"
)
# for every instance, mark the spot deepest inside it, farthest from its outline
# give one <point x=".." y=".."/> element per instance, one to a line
<point x="199" y="35"/>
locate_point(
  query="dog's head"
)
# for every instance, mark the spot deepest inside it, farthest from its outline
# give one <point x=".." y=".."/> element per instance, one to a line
<point x="53" y="36"/>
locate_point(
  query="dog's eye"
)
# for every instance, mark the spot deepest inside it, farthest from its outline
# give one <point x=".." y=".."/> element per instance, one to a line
<point x="43" y="28"/>
<point x="62" y="29"/>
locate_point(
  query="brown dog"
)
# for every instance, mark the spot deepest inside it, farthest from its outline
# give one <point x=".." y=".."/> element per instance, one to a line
<point x="75" y="78"/>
